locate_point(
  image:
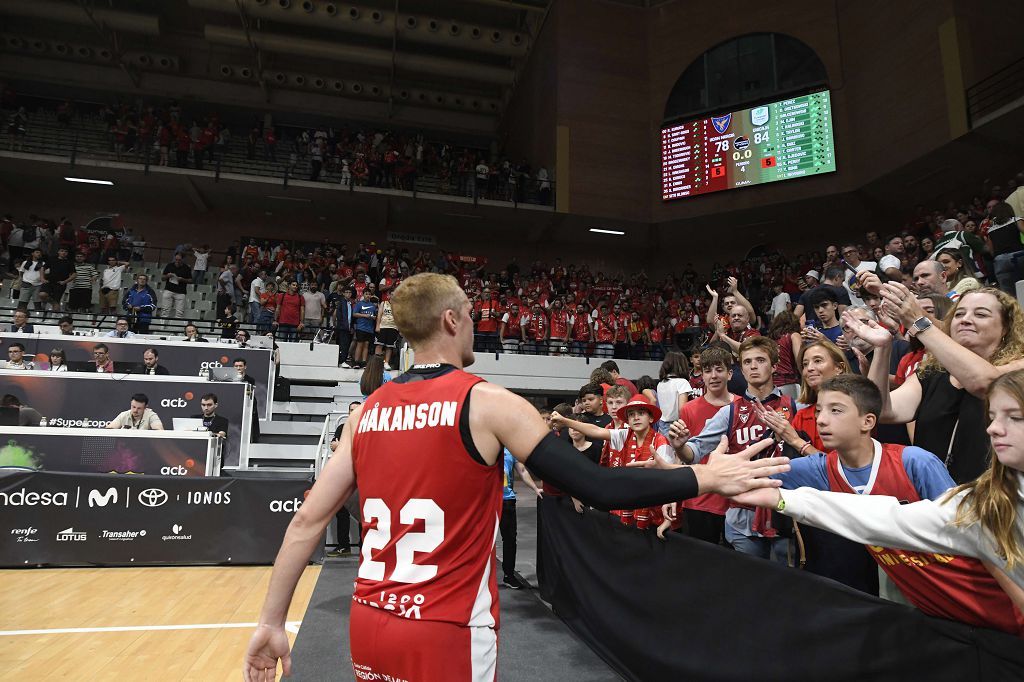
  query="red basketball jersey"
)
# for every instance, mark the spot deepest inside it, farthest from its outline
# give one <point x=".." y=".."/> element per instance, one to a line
<point x="429" y="509"/>
<point x="946" y="586"/>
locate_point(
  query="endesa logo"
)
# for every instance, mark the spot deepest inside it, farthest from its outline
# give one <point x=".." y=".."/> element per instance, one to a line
<point x="174" y="471"/>
<point x="25" y="498"/>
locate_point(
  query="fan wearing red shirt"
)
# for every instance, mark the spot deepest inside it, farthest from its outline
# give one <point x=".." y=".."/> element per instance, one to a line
<point x="705" y="515"/>
<point x="582" y="332"/>
<point x="425" y="603"/>
<point x="622" y="319"/>
<point x="487" y="315"/>
<point x="535" y="327"/>
<point x="559" y="322"/>
<point x="604" y="333"/>
<point x="512" y="332"/>
<point x="291" y="309"/>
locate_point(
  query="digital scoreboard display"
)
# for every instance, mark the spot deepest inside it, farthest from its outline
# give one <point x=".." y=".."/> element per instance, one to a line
<point x="777" y="141"/>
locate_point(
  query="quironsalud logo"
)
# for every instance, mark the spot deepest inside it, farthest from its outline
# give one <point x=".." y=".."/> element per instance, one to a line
<point x="721" y="123"/>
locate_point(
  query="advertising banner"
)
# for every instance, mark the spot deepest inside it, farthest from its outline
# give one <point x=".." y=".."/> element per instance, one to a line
<point x="74" y="400"/>
<point x="51" y="519"/>
<point x="683" y="609"/>
<point x="121" y="451"/>
<point x="180" y="359"/>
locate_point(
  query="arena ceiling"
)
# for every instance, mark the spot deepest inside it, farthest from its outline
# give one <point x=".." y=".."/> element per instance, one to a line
<point x="431" y="63"/>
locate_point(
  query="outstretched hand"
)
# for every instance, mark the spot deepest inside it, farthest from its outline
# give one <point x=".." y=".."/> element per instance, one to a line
<point x="763" y="497"/>
<point x="266" y="647"/>
<point x="733" y="474"/>
<point x="869" y="330"/>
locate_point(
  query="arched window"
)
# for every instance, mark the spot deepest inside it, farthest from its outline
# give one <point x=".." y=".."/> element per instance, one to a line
<point x="742" y="71"/>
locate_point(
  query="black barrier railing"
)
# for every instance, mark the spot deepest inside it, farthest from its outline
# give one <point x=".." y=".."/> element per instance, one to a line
<point x="998" y="90"/>
<point x="655" y="351"/>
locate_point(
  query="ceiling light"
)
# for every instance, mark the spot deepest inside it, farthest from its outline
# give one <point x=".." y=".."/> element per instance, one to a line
<point x="600" y="231"/>
<point x="90" y="181"/>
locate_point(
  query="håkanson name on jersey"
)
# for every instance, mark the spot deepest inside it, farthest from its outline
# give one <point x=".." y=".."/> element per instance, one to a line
<point x="408" y="417"/>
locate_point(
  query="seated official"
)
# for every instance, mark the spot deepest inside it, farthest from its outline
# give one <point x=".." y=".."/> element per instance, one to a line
<point x="16" y="358"/>
<point x="66" y="325"/>
<point x="20" y="324"/>
<point x="192" y="334"/>
<point x="150" y="363"/>
<point x="216" y="424"/>
<point x="120" y="330"/>
<point x="138" y="416"/>
<point x="102" y="363"/>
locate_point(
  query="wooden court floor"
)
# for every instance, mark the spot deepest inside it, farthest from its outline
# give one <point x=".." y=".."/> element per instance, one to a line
<point x="126" y="624"/>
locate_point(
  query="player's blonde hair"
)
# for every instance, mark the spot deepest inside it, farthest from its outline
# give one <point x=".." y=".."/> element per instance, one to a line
<point x="419" y="302"/>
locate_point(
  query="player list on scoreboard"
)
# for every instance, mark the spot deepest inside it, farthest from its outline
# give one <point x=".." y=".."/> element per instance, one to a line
<point x="776" y="141"/>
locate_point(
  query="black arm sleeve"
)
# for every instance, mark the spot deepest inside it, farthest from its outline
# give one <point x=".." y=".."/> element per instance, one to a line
<point x="559" y="463"/>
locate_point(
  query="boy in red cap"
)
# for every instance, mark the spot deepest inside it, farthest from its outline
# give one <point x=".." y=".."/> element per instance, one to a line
<point x="637" y="442"/>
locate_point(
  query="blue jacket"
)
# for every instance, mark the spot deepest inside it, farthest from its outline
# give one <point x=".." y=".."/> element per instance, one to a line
<point x="143" y="299"/>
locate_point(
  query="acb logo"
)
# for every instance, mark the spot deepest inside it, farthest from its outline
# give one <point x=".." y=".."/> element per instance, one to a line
<point x="210" y="365"/>
<point x="291" y="505"/>
<point x="173" y="402"/>
<point x="174" y="471"/>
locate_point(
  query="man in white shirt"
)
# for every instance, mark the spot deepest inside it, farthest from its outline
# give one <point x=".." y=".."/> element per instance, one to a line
<point x="255" y="289"/>
<point x="138" y="416"/>
<point x="315" y="305"/>
<point x="110" y="285"/>
<point x="16" y="358"/>
<point x="851" y="254"/>
<point x="120" y="330"/>
<point x="482" y="172"/>
<point x="202" y="256"/>
<point x="892" y="262"/>
<point x="781" y="302"/>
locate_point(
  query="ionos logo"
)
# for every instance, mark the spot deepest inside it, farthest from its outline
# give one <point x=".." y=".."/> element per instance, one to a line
<point x="71" y="535"/>
<point x="24" y="498"/>
<point x="122" y="535"/>
<point x="97" y="499"/>
<point x="215" y="497"/>
<point x="174" y="471"/>
<point x="152" y="497"/>
<point x="291" y="505"/>
<point x="176" y="534"/>
<point x="25" y="534"/>
<point x="173" y="402"/>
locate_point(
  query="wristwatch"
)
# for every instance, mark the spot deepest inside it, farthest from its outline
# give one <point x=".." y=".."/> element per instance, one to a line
<point x="920" y="324"/>
<point x="781" y="506"/>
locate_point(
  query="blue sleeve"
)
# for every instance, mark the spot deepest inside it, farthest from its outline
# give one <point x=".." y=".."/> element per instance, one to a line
<point x="805" y="472"/>
<point x="927" y="472"/>
<point x="707" y="440"/>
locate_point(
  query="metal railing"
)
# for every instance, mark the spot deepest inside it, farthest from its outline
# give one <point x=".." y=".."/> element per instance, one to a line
<point x="998" y="90"/>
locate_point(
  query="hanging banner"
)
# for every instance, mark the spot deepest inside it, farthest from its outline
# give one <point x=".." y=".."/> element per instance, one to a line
<point x="53" y="519"/>
<point x="180" y="358"/>
<point x="683" y="609"/>
<point x="78" y="400"/>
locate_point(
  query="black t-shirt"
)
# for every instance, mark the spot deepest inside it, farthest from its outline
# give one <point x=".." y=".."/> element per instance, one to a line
<point x="841" y="293"/>
<point x="60" y="270"/>
<point x="593" y="453"/>
<point x="215" y="424"/>
<point x="952" y="414"/>
<point x="183" y="272"/>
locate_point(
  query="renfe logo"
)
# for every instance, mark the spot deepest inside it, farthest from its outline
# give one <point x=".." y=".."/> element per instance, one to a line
<point x="291" y="505"/>
<point x="174" y="471"/>
<point x="98" y="499"/>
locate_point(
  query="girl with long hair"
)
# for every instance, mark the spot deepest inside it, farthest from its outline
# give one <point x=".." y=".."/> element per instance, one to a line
<point x="373" y="376"/>
<point x="673" y="388"/>
<point x="785" y="331"/>
<point x="958" y="276"/>
<point x="983" y="518"/>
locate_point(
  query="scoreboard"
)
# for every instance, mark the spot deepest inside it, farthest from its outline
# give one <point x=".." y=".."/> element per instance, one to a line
<point x="776" y="141"/>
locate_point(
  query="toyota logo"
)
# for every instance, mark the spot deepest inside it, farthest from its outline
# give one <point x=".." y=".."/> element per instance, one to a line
<point x="152" y="497"/>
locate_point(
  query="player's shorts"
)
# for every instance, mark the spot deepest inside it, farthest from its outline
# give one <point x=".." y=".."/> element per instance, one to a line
<point x="419" y="650"/>
<point x="387" y="337"/>
<point x="364" y="337"/>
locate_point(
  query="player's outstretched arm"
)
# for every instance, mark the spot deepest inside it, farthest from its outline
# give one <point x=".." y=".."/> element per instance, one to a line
<point x="269" y="643"/>
<point x="498" y="416"/>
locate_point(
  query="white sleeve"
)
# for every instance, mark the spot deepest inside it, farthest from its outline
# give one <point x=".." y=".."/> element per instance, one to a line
<point x="925" y="526"/>
<point x="889" y="261"/>
<point x="618" y="439"/>
<point x="504" y="318"/>
<point x="667" y="453"/>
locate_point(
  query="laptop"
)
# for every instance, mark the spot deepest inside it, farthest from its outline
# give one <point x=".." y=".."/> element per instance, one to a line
<point x="261" y="342"/>
<point x="224" y="374"/>
<point x="187" y="424"/>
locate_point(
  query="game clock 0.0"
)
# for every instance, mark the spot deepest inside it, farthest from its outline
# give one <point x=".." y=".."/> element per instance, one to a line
<point x="781" y="140"/>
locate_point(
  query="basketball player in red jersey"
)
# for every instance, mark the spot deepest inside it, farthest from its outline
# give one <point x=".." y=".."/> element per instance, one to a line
<point x="424" y="449"/>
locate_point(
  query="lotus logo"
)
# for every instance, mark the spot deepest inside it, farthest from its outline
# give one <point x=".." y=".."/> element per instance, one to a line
<point x="152" y="497"/>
